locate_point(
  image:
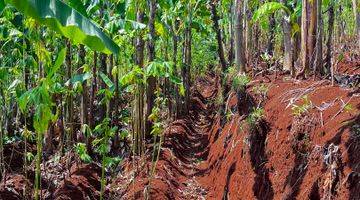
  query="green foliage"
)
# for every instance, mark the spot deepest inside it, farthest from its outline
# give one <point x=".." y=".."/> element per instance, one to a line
<point x="104" y="133"/>
<point x="81" y="150"/>
<point x="68" y="22"/>
<point x="240" y="82"/>
<point x="29" y="157"/>
<point x="269" y="8"/>
<point x="255" y="116"/>
<point x="261" y="90"/>
<point x="299" y="110"/>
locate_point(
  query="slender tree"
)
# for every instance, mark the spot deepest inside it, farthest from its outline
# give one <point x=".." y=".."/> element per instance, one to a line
<point x="239" y="38"/>
<point x="138" y="123"/>
<point x="304" y="39"/>
<point x="356" y="9"/>
<point x="328" y="62"/>
<point x="318" y="65"/>
<point x="151" y="82"/>
<point x="288" y="57"/>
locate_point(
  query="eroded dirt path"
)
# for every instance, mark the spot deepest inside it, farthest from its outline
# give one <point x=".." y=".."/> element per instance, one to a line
<point x="281" y="157"/>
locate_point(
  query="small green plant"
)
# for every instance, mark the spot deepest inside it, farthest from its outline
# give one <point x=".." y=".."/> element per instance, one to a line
<point x="261" y="89"/>
<point x="255" y="116"/>
<point x="299" y="110"/>
<point x="240" y="82"/>
<point x="104" y="133"/>
<point x="349" y="108"/>
<point x="82" y="152"/>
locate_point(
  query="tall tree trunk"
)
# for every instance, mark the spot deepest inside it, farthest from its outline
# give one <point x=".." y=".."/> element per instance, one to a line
<point x="271" y="41"/>
<point x="69" y="107"/>
<point x="249" y="35"/>
<point x="356" y="8"/>
<point x="312" y="32"/>
<point x="103" y="69"/>
<point x="215" y="19"/>
<point x="239" y="38"/>
<point x="138" y="123"/>
<point x="93" y="91"/>
<point x="85" y="92"/>
<point x="329" y="37"/>
<point x="231" y="33"/>
<point x="304" y="39"/>
<point x="185" y="71"/>
<point x="174" y="59"/>
<point x="288" y="57"/>
<point x="151" y="82"/>
<point x="318" y="66"/>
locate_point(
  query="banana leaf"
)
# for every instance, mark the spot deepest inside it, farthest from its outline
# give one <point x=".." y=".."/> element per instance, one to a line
<point x="68" y="22"/>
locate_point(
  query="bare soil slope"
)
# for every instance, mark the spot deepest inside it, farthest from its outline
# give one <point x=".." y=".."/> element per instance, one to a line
<point x="315" y="155"/>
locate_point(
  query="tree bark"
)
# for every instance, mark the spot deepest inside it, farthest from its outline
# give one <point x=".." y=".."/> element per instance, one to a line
<point x="185" y="71"/>
<point x="249" y="36"/>
<point x="138" y="119"/>
<point x="93" y="91"/>
<point x="329" y="37"/>
<point x="356" y="8"/>
<point x="215" y="19"/>
<point x="70" y="107"/>
<point x="231" y="34"/>
<point x="304" y="39"/>
<point x="151" y="82"/>
<point x="271" y="41"/>
<point x="84" y="97"/>
<point x="239" y="38"/>
<point x="318" y="66"/>
<point x="312" y="32"/>
<point x="288" y="57"/>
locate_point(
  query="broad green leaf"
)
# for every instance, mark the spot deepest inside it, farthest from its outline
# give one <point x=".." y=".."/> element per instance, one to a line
<point x="68" y="22"/>
<point x="79" y="78"/>
<point x="107" y="81"/>
<point x="58" y="62"/>
<point x="78" y="6"/>
<point x="269" y="8"/>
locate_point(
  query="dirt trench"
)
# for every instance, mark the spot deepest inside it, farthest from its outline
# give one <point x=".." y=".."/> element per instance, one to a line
<point x="281" y="158"/>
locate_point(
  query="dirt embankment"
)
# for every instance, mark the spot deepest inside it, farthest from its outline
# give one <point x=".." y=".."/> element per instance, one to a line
<point x="306" y="146"/>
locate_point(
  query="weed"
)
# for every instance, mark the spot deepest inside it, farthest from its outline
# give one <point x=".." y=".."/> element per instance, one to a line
<point x="240" y="82"/>
<point x="349" y="108"/>
<point x="299" y="110"/>
<point x="255" y="116"/>
<point x="261" y="89"/>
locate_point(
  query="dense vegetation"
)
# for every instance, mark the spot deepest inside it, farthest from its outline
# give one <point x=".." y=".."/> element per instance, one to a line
<point x="104" y="78"/>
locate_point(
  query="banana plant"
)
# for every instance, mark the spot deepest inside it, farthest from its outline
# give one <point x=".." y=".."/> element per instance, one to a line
<point x="273" y="7"/>
<point x="66" y="21"/>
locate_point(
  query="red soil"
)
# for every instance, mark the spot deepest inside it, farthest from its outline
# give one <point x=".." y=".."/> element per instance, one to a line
<point x="283" y="157"/>
<point x="313" y="155"/>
